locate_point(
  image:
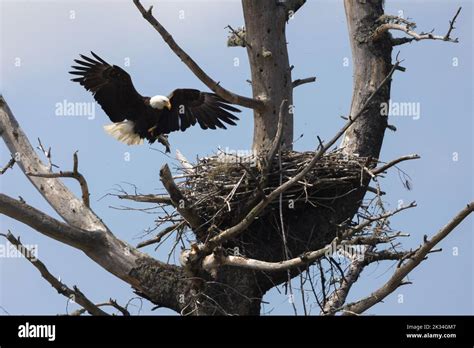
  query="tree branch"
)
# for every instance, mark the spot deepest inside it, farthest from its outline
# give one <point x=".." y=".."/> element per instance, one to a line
<point x="74" y="174"/>
<point x="397" y="278"/>
<point x="73" y="294"/>
<point x="276" y="144"/>
<point x="390" y="164"/>
<point x="46" y="225"/>
<point x="147" y="198"/>
<point x="111" y="303"/>
<point x="407" y="27"/>
<point x="178" y="200"/>
<point x="63" y="201"/>
<point x="212" y="262"/>
<point x="9" y="165"/>
<point x="159" y="236"/>
<point x="292" y="6"/>
<point x="299" y="82"/>
<point x="194" y="67"/>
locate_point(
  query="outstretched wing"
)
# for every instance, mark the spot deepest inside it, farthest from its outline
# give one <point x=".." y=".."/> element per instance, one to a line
<point x="191" y="106"/>
<point x="111" y="86"/>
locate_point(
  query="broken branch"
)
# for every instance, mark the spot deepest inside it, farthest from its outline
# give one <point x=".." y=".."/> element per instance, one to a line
<point x="178" y="200"/>
<point x="74" y="174"/>
<point x="9" y="165"/>
<point x="299" y="82"/>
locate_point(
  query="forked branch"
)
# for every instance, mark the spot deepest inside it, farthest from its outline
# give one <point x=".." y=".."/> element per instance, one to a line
<point x="70" y="174"/>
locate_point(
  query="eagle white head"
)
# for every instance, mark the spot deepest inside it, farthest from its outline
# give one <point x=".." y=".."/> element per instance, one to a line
<point x="159" y="102"/>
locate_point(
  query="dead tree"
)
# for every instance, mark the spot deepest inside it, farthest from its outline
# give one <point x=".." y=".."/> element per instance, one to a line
<point x="253" y="222"/>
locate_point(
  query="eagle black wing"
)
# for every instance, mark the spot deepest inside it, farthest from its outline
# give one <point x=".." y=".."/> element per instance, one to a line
<point x="191" y="106"/>
<point x="111" y="86"/>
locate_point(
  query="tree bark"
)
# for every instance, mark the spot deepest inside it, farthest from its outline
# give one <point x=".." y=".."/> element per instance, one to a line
<point x="265" y="23"/>
<point x="371" y="63"/>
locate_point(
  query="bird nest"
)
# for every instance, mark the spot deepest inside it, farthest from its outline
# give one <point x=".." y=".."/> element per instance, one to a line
<point x="223" y="188"/>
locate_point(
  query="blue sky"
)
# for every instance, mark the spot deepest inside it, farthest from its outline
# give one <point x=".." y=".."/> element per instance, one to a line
<point x="40" y="39"/>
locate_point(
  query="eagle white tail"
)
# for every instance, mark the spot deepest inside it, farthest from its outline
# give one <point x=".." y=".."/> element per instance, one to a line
<point x="124" y="132"/>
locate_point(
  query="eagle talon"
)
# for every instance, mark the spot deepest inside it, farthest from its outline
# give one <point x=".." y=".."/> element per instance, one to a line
<point x="163" y="139"/>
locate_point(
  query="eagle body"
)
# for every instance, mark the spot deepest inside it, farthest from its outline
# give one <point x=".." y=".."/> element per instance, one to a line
<point x="137" y="118"/>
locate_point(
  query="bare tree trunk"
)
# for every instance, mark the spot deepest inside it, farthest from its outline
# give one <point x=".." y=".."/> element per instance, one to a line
<point x="371" y="63"/>
<point x="238" y="291"/>
<point x="265" y="23"/>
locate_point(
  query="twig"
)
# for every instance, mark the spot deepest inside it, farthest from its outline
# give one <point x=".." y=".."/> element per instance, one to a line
<point x="47" y="154"/>
<point x="9" y="165"/>
<point x="147" y="198"/>
<point x="390" y="164"/>
<point x="451" y="25"/>
<point x="240" y="36"/>
<point x="74" y="293"/>
<point x="111" y="303"/>
<point x="375" y="190"/>
<point x="277" y="140"/>
<point x="302" y="290"/>
<point x="194" y="67"/>
<point x="299" y="82"/>
<point x="159" y="236"/>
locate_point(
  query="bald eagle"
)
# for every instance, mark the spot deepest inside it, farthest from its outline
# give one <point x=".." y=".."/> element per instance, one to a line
<point x="136" y="117"/>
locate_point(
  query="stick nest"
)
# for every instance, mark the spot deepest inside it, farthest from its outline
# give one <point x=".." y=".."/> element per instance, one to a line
<point x="223" y="188"/>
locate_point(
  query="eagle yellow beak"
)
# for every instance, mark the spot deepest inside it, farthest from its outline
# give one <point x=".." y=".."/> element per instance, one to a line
<point x="168" y="105"/>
